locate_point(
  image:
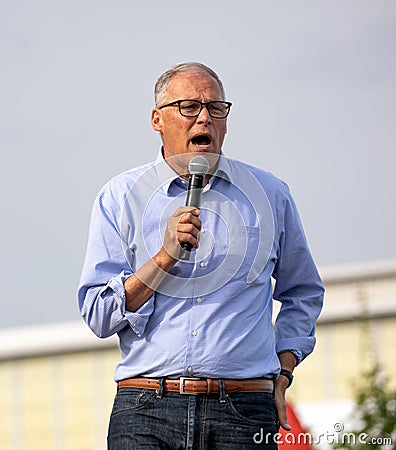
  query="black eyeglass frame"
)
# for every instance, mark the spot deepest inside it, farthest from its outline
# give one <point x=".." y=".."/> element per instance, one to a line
<point x="178" y="103"/>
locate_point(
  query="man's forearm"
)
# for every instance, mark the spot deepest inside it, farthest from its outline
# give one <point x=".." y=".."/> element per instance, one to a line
<point x="140" y="286"/>
<point x="287" y="360"/>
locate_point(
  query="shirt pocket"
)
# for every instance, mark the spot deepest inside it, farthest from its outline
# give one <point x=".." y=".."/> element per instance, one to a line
<point x="241" y="253"/>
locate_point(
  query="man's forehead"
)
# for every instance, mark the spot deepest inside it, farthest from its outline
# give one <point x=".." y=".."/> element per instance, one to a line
<point x="193" y="78"/>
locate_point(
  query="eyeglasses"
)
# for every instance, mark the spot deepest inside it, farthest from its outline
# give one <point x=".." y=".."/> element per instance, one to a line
<point x="193" y="108"/>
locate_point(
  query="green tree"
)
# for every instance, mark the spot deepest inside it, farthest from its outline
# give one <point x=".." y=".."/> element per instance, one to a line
<point x="374" y="416"/>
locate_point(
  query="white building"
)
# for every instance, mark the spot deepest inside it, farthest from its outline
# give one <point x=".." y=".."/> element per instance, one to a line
<point x="57" y="386"/>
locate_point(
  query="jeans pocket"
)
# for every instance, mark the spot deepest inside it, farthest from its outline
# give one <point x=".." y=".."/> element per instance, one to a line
<point x="128" y="399"/>
<point x="253" y="408"/>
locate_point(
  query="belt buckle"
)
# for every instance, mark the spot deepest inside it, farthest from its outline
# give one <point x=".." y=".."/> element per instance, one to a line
<point x="182" y="380"/>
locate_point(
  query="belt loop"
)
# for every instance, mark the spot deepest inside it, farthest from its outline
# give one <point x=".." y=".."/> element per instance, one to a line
<point x="274" y="377"/>
<point x="160" y="391"/>
<point x="222" y="396"/>
<point x="209" y="382"/>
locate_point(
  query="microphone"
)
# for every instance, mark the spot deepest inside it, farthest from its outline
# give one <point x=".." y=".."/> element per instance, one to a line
<point x="198" y="167"/>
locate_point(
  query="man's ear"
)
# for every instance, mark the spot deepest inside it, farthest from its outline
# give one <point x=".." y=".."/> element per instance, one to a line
<point x="156" y="120"/>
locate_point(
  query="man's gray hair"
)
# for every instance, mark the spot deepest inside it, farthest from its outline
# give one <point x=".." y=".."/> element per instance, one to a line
<point x="163" y="81"/>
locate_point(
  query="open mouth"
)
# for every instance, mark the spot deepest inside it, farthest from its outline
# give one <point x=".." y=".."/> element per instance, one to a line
<point x="201" y="140"/>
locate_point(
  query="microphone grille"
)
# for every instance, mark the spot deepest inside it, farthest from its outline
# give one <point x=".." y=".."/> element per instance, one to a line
<point x="198" y="166"/>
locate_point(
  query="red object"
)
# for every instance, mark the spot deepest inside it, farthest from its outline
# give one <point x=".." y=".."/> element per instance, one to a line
<point x="297" y="438"/>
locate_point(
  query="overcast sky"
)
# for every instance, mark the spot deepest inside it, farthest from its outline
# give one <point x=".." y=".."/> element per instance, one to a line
<point x="313" y="86"/>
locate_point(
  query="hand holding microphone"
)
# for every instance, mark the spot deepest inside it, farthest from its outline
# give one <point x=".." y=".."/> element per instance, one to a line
<point x="183" y="227"/>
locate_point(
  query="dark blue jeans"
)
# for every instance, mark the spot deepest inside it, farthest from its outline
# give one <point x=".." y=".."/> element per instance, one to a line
<point x="140" y="420"/>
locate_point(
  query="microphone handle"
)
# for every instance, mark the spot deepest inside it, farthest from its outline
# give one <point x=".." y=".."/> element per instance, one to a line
<point x="194" y="193"/>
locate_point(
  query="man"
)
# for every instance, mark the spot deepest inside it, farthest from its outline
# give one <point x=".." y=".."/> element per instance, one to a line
<point x="202" y="365"/>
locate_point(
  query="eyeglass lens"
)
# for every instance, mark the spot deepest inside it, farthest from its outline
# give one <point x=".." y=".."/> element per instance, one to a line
<point x="192" y="108"/>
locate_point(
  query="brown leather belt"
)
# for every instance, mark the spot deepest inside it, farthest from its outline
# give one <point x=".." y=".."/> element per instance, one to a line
<point x="194" y="386"/>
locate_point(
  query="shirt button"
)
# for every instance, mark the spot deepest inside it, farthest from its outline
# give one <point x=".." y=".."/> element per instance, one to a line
<point x="190" y="369"/>
<point x="199" y="300"/>
<point x="194" y="333"/>
<point x="202" y="264"/>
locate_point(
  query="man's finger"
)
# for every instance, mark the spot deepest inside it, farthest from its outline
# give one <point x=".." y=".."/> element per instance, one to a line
<point x="186" y="210"/>
<point x="280" y="403"/>
<point x="283" y="418"/>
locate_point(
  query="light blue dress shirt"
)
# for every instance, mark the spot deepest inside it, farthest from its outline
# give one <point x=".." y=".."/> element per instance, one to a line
<point x="212" y="315"/>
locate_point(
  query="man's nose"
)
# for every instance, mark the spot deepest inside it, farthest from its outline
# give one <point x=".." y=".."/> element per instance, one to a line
<point x="204" y="116"/>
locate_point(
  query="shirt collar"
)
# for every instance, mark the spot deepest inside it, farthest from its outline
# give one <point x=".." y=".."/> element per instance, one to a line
<point x="167" y="175"/>
<point x="224" y="168"/>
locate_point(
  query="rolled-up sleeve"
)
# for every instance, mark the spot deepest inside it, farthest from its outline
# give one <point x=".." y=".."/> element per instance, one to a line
<point x="298" y="285"/>
<point x="107" y="264"/>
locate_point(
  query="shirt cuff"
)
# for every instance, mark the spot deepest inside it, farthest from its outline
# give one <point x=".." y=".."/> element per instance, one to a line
<point x="138" y="319"/>
<point x="301" y="347"/>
